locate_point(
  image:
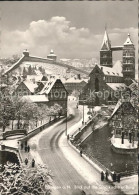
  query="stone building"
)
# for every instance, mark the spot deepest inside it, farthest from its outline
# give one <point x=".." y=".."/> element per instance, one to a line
<point x="74" y="84"/>
<point x="52" y="56"/>
<point x="124" y="119"/>
<point x="107" y="79"/>
<point x="51" y="92"/>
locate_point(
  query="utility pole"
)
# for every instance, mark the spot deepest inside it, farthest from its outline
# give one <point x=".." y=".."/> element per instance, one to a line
<point x="66" y="118"/>
<point x="83" y="112"/>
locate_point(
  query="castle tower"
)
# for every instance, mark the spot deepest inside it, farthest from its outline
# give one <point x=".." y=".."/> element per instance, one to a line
<point x="106" y="52"/>
<point x="52" y="56"/>
<point x="26" y="53"/>
<point x="128" y="61"/>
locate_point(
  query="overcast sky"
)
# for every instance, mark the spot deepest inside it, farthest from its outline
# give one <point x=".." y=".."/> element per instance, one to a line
<point x="73" y="29"/>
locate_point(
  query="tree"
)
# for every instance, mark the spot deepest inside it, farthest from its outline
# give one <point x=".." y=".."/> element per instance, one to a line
<point x="24" y="181"/>
<point x="5" y="109"/>
<point x="55" y="110"/>
<point x="25" y="72"/>
<point x="29" y="70"/>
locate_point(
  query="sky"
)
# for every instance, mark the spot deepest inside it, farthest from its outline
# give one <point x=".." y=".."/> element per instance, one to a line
<point x="73" y="29"/>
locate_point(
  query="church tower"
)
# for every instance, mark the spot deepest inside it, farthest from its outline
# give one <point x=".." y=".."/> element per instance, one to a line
<point x="128" y="61"/>
<point x="106" y="52"/>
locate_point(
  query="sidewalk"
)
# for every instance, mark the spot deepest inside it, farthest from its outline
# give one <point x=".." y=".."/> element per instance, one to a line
<point x="129" y="185"/>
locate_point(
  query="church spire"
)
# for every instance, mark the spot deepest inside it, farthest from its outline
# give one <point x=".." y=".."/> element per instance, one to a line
<point x="106" y="45"/>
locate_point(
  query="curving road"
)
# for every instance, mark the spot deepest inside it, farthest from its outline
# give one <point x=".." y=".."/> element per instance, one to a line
<point x="67" y="180"/>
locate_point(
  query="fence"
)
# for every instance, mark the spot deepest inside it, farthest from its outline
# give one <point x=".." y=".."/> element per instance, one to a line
<point x="38" y="130"/>
<point x="14" y="132"/>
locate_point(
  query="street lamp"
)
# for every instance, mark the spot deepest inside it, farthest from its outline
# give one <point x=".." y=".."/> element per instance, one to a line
<point x="83" y="111"/>
<point x="66" y="121"/>
<point x="123" y="137"/>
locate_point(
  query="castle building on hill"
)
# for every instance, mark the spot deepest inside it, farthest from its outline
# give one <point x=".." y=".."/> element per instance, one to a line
<point x="107" y="79"/>
<point x="52" y="56"/>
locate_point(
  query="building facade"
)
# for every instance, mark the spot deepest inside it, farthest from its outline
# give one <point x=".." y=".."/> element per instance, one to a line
<point x="124" y="121"/>
<point x="108" y="77"/>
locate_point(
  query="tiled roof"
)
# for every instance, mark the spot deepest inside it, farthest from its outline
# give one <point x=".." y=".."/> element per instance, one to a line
<point x="48" y="86"/>
<point x="35" y="78"/>
<point x="117" y="86"/>
<point x="74" y="80"/>
<point x="116" y="70"/>
<point x="36" y="98"/>
<point x="30" y="85"/>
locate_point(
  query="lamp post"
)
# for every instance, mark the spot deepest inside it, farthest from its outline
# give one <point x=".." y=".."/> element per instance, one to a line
<point x="66" y="119"/>
<point x="122" y="137"/>
<point x="83" y="111"/>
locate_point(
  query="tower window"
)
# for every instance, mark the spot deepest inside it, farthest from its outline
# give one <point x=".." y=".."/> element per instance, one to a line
<point x="96" y="84"/>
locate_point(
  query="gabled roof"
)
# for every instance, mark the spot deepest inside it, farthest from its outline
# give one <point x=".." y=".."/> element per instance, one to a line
<point x="30" y="85"/>
<point x="133" y="86"/>
<point x="128" y="41"/>
<point x="36" y="78"/>
<point x="106" y="45"/>
<point x="75" y="80"/>
<point x="116" y="70"/>
<point x="119" y="103"/>
<point x="48" y="86"/>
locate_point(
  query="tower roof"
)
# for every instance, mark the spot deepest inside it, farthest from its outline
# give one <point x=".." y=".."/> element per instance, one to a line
<point x="106" y="45"/>
<point x="51" y="53"/>
<point x="128" y="40"/>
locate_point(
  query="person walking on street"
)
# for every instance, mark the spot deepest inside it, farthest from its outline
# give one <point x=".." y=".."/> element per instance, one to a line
<point x="118" y="178"/>
<point x="81" y="152"/>
<point x="106" y="174"/>
<point x="33" y="163"/>
<point x="21" y="146"/>
<point x="26" y="161"/>
<point x="28" y="148"/>
<point x="102" y="176"/>
<point x="114" y="177"/>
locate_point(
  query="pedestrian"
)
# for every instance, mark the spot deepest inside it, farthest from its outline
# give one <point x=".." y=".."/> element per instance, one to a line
<point x="28" y="148"/>
<point x="118" y="178"/>
<point x="102" y="176"/>
<point x="26" y="161"/>
<point x="68" y="137"/>
<point x="81" y="152"/>
<point x="21" y="146"/>
<point x="114" y="177"/>
<point x="106" y="174"/>
<point x="33" y="163"/>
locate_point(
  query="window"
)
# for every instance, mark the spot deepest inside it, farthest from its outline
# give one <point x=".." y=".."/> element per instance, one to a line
<point x="96" y="71"/>
<point x="96" y="84"/>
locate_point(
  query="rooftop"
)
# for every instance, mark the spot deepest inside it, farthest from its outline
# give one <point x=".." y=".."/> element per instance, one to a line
<point x="30" y="85"/>
<point x="117" y="86"/>
<point x="128" y="41"/>
<point x="36" y="98"/>
<point x="106" y="45"/>
<point x="116" y="70"/>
